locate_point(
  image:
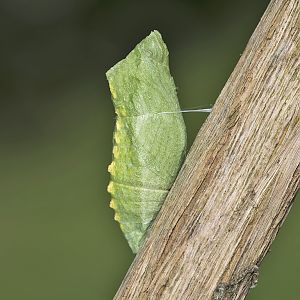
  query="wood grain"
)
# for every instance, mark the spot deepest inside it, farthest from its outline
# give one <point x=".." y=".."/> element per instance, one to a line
<point x="238" y="181"/>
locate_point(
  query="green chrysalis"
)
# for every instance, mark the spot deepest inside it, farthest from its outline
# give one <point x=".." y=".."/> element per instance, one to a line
<point x="149" y="142"/>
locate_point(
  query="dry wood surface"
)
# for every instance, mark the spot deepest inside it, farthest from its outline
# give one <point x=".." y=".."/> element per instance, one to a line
<point x="238" y="181"/>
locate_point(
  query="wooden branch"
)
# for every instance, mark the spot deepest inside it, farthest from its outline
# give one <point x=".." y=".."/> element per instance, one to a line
<point x="238" y="181"/>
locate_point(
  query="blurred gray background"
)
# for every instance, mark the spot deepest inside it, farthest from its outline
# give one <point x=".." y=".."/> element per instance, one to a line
<point x="58" y="237"/>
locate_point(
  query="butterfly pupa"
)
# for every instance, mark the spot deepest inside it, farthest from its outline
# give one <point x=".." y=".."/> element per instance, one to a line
<point x="148" y="143"/>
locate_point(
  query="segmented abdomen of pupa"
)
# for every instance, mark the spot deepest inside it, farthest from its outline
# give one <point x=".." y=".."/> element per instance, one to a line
<point x="149" y="138"/>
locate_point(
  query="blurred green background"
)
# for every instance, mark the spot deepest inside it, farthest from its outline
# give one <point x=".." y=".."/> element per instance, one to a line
<point x="58" y="237"/>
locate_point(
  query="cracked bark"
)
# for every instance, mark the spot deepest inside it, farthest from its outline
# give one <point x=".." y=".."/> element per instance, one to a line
<point x="238" y="181"/>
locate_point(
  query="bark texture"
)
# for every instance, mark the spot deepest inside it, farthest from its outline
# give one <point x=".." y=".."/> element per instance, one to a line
<point x="238" y="181"/>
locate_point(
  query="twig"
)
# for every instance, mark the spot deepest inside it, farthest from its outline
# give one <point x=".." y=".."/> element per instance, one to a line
<point x="238" y="181"/>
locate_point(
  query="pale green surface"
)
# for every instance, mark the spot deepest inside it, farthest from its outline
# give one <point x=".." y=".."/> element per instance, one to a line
<point x="149" y="138"/>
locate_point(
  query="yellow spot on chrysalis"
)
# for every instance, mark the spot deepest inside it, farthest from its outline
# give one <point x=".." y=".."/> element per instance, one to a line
<point x="120" y="111"/>
<point x="110" y="187"/>
<point x="112" y="90"/>
<point x="117" y="217"/>
<point x="117" y="137"/>
<point x="111" y="168"/>
<point x="122" y="227"/>
<point x="119" y="124"/>
<point x="116" y="152"/>
<point x="112" y="204"/>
